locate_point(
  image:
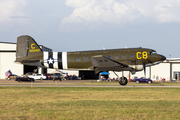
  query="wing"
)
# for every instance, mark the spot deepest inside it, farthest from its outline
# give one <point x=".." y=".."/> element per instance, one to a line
<point x="102" y="63"/>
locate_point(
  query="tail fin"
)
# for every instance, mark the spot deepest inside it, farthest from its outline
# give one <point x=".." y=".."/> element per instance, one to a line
<point x="27" y="50"/>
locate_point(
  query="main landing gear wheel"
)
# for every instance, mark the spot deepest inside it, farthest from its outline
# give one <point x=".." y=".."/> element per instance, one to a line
<point x="123" y="81"/>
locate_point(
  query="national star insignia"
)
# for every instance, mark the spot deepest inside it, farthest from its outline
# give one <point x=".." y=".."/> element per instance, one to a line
<point x="50" y="61"/>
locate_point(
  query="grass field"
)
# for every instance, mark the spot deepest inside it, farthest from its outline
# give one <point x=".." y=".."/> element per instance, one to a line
<point x="44" y="103"/>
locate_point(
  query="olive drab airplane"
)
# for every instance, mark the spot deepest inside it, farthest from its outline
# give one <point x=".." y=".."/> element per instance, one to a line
<point x="129" y="59"/>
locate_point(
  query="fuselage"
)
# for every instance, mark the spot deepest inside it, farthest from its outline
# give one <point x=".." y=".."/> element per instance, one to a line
<point x="134" y="57"/>
<point x="28" y="52"/>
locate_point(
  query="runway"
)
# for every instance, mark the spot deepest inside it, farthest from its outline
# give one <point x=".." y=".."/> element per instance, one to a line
<point x="75" y="83"/>
<point x="113" y="86"/>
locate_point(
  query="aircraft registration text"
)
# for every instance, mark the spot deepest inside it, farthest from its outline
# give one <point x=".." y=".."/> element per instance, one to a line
<point x="142" y="55"/>
<point x="33" y="48"/>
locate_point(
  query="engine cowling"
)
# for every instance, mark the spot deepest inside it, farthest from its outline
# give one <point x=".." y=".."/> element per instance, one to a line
<point x="136" y="68"/>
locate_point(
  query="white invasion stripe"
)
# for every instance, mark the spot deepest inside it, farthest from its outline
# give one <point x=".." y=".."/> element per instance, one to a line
<point x="64" y="60"/>
<point x="55" y="56"/>
<point x="45" y="59"/>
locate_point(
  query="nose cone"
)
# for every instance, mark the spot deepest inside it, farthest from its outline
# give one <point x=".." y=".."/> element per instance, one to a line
<point x="163" y="58"/>
<point x="157" y="58"/>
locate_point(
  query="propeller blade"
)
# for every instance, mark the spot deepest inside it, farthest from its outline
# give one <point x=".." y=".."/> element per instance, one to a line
<point x="144" y="67"/>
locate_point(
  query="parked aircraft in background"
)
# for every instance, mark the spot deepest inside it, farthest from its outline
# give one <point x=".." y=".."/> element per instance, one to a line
<point x="130" y="59"/>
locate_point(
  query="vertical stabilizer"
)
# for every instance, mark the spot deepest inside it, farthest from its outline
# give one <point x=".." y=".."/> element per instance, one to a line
<point x="27" y="50"/>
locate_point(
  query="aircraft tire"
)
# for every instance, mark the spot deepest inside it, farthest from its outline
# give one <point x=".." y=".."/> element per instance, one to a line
<point x="149" y="82"/>
<point x="41" y="78"/>
<point x="19" y="80"/>
<point x="123" y="82"/>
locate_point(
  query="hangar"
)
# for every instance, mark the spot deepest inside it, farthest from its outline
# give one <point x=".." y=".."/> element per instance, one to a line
<point x="168" y="69"/>
<point x="8" y="56"/>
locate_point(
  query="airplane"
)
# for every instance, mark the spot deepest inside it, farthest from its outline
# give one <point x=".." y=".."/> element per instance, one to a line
<point x="28" y="52"/>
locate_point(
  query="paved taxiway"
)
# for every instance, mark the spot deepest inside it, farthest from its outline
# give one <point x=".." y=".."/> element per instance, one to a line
<point x="67" y="83"/>
<point x="6" y="85"/>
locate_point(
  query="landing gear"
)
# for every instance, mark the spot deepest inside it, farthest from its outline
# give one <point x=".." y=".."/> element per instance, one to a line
<point x="123" y="80"/>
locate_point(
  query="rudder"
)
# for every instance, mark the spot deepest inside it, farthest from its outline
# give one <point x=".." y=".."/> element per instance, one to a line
<point x="27" y="49"/>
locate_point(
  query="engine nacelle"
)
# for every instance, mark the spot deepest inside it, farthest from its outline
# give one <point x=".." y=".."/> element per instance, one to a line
<point x="137" y="67"/>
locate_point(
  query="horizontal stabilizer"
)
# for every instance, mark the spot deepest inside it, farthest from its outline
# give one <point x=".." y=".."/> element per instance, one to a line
<point x="31" y="63"/>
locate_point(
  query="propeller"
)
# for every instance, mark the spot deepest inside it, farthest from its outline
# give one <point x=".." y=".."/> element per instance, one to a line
<point x="144" y="67"/>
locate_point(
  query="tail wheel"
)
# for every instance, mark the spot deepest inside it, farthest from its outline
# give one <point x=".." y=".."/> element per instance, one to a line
<point x="41" y="78"/>
<point x="149" y="82"/>
<point x="19" y="80"/>
<point x="123" y="81"/>
<point x="137" y="82"/>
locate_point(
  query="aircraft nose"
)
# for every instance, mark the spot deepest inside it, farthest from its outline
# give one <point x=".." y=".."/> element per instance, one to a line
<point x="163" y="57"/>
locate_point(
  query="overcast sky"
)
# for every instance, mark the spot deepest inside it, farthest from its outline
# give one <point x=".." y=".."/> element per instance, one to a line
<point x="75" y="25"/>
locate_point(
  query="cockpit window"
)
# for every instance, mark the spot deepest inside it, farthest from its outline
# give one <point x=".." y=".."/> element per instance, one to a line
<point x="154" y="52"/>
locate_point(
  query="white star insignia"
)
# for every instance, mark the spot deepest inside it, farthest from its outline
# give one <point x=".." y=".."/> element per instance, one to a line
<point x="51" y="61"/>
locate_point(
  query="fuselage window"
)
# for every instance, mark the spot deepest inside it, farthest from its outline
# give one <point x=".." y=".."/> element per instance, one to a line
<point x="124" y="56"/>
<point x="109" y="57"/>
<point x="132" y="55"/>
<point x="86" y="59"/>
<point x="78" y="59"/>
<point x="116" y="56"/>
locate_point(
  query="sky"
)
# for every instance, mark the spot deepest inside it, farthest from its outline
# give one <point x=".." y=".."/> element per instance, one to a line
<point x="78" y="25"/>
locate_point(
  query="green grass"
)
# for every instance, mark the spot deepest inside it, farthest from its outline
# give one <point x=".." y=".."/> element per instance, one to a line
<point x="46" y="103"/>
